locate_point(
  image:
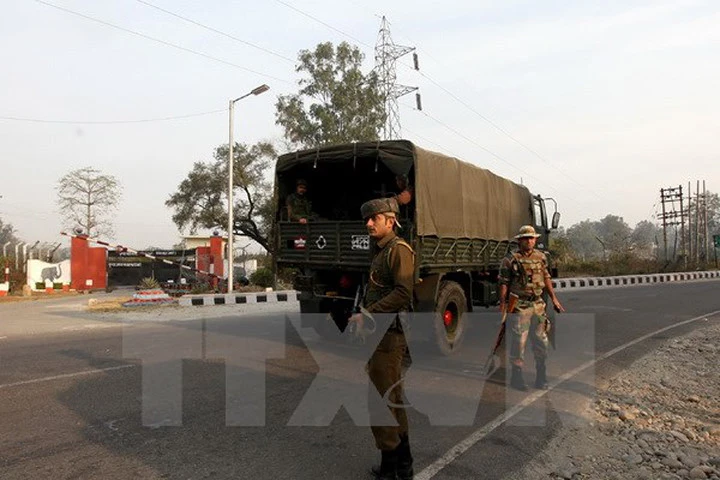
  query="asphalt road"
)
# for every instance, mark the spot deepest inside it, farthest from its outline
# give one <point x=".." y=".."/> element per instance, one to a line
<point x="72" y="403"/>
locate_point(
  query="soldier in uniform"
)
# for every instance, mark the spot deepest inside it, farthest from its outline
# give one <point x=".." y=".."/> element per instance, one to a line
<point x="298" y="205"/>
<point x="389" y="291"/>
<point x="406" y="191"/>
<point x="524" y="272"/>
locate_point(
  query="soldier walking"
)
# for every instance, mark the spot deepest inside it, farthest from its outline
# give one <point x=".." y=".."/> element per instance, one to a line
<point x="389" y="291"/>
<point x="524" y="273"/>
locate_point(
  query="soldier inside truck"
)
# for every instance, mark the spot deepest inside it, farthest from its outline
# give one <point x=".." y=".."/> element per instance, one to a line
<point x="337" y="190"/>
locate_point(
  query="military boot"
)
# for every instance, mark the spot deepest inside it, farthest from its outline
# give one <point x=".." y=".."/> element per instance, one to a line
<point x="516" y="379"/>
<point x="405" y="459"/>
<point x="540" y="377"/>
<point x="387" y="470"/>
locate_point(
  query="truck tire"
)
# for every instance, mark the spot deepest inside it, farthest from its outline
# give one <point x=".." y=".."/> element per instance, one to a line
<point x="449" y="320"/>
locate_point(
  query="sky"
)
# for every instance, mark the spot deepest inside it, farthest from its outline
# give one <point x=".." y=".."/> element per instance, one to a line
<point x="598" y="105"/>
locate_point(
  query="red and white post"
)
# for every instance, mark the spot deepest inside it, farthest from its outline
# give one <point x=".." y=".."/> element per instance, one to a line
<point x="5" y="286"/>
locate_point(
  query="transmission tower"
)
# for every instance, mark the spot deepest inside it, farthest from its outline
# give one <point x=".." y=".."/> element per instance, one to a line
<point x="386" y="55"/>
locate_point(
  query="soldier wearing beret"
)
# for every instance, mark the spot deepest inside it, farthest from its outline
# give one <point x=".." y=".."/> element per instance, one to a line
<point x="524" y="273"/>
<point x="389" y="290"/>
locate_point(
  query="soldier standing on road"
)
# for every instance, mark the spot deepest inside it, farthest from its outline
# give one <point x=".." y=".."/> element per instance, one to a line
<point x="524" y="272"/>
<point x="389" y="291"/>
<point x="298" y="205"/>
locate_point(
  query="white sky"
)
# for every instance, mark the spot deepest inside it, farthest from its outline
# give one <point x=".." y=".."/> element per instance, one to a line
<point x="618" y="98"/>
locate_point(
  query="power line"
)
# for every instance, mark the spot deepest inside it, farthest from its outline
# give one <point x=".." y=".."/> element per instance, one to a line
<point x="219" y="32"/>
<point x="324" y="24"/>
<point x="485" y="149"/>
<point x="163" y="42"/>
<point x="453" y="96"/>
<point x="427" y="141"/>
<point x="110" y="122"/>
<point x="500" y="129"/>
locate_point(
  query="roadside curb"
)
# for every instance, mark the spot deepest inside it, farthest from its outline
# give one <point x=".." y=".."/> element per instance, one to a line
<point x="281" y="296"/>
<point x="629" y="280"/>
<point x="285" y="296"/>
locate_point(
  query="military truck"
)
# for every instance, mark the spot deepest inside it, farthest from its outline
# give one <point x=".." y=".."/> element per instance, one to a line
<point x="461" y="223"/>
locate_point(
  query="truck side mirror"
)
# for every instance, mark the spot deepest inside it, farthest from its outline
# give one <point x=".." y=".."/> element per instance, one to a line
<point x="555" y="220"/>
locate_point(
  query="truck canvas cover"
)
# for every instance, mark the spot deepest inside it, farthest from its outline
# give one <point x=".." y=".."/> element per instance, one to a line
<point x="454" y="199"/>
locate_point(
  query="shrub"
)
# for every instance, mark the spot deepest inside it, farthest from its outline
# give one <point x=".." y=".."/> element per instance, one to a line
<point x="149" y="283"/>
<point x="200" y="287"/>
<point x="263" y="277"/>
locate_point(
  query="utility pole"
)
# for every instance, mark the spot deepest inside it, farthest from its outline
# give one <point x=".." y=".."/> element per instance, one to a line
<point x="706" y="233"/>
<point x="670" y="216"/>
<point x="386" y="55"/>
<point x="697" y="223"/>
<point x="683" y="242"/>
<point x="664" y="224"/>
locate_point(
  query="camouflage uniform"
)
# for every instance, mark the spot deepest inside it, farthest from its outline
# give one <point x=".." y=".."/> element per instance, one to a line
<point x="390" y="291"/>
<point x="299" y="206"/>
<point x="525" y="275"/>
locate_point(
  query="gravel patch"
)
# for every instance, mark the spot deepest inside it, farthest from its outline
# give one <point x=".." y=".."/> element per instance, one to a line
<point x="659" y="419"/>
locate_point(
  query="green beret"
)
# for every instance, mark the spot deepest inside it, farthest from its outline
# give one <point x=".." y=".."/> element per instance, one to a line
<point x="379" y="205"/>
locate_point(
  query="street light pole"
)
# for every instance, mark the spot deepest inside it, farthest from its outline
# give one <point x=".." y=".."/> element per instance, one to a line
<point x="231" y="183"/>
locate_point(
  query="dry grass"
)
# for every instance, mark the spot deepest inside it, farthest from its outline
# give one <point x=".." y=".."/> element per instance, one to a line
<point x="36" y="296"/>
<point x="109" y="305"/>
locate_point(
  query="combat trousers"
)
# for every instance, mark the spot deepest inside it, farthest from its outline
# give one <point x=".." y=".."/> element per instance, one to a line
<point x="385" y="371"/>
<point x="529" y="320"/>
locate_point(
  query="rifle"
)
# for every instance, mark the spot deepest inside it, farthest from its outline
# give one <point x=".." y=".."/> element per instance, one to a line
<point x="509" y="307"/>
<point x="550" y="327"/>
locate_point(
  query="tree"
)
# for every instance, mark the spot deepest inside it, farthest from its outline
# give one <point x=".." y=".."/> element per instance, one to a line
<point x="201" y="199"/>
<point x="7" y="233"/>
<point x="336" y="102"/>
<point x="560" y="247"/>
<point x="614" y="234"/>
<point x="87" y="197"/>
<point x="644" y="236"/>
<point x="583" y="237"/>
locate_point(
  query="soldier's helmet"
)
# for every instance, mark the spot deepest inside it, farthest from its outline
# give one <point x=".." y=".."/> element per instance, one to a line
<point x="527" y="231"/>
<point x="301" y="181"/>
<point x="387" y="206"/>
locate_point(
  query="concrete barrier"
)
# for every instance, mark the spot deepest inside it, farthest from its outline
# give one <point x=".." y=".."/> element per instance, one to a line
<point x="238" y="298"/>
<point x="630" y="280"/>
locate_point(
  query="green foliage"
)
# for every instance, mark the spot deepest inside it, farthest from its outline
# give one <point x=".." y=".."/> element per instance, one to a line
<point x="201" y="199"/>
<point x="149" y="283"/>
<point x="262" y="277"/>
<point x="86" y="198"/>
<point x="200" y="287"/>
<point x="57" y="286"/>
<point x="336" y="103"/>
<point x="7" y="233"/>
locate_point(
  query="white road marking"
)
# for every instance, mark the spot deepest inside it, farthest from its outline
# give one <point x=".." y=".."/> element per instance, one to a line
<point x="66" y="375"/>
<point x="91" y="326"/>
<point x="434" y="468"/>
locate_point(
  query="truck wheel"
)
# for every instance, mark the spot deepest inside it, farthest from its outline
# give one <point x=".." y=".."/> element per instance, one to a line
<point x="449" y="320"/>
